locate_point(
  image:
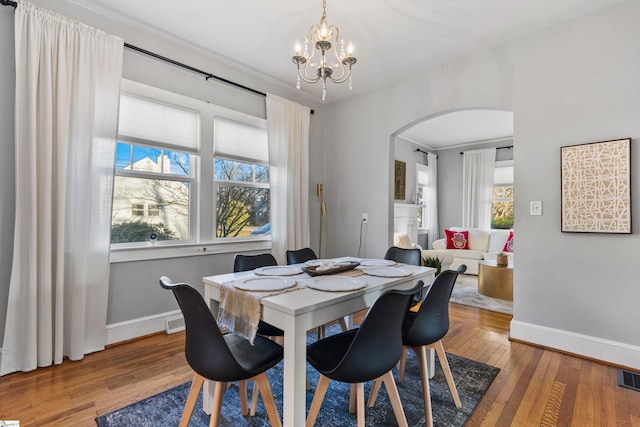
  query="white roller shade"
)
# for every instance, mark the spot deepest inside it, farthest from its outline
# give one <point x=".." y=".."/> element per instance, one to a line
<point x="503" y="173"/>
<point x="423" y="175"/>
<point x="159" y="123"/>
<point x="239" y="140"/>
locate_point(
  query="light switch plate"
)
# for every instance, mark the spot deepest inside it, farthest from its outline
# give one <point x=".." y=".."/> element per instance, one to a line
<point x="535" y="207"/>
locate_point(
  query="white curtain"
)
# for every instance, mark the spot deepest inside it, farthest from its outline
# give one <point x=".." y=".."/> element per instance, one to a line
<point x="288" y="125"/>
<point x="432" y="200"/>
<point x="477" y="186"/>
<point x="67" y="91"/>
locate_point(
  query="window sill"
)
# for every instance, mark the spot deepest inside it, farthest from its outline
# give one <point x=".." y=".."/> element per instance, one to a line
<point x="151" y="252"/>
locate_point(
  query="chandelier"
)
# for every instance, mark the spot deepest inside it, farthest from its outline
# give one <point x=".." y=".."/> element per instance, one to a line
<point x="322" y="38"/>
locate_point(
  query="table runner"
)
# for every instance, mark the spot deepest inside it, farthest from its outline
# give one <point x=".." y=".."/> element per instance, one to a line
<point x="239" y="311"/>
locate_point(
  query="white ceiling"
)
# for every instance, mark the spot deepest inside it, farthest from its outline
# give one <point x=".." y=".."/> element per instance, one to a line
<point x="461" y="128"/>
<point x="392" y="38"/>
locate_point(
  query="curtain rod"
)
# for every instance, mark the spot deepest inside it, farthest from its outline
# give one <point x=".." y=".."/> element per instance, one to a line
<point x="190" y="68"/>
<point x="508" y="147"/>
<point x="174" y="62"/>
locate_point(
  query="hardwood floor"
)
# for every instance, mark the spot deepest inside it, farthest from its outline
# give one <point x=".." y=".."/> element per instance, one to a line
<point x="535" y="387"/>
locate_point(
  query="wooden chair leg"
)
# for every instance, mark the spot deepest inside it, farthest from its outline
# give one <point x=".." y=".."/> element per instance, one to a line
<point x="218" y="394"/>
<point x="242" y="390"/>
<point x="444" y="363"/>
<point x="343" y="324"/>
<point x="394" y="397"/>
<point x="402" y="365"/>
<point x="254" y="398"/>
<point x="192" y="398"/>
<point x="318" y="397"/>
<point x="360" y="403"/>
<point x="424" y="376"/>
<point x="262" y="381"/>
<point x="375" y="388"/>
<point x="352" y="398"/>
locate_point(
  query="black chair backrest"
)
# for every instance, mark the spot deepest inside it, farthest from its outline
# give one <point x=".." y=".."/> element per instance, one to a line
<point x="300" y="255"/>
<point x="431" y="323"/>
<point x="377" y="346"/>
<point x="251" y="262"/>
<point x="406" y="256"/>
<point x="205" y="348"/>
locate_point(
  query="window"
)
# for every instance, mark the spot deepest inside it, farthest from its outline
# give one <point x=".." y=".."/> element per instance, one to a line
<point x="422" y="193"/>
<point x="187" y="171"/>
<point x="241" y="176"/>
<point x="502" y="196"/>
<point x="156" y="184"/>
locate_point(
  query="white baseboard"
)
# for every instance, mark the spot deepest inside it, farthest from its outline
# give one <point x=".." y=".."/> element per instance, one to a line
<point x="135" y="328"/>
<point x="584" y="345"/>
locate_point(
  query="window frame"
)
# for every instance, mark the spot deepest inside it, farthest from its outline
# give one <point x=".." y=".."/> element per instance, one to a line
<point x="202" y="189"/>
<point x="503" y="164"/>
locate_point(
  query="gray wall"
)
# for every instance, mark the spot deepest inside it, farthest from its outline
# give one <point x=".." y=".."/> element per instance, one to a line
<point x="133" y="290"/>
<point x="575" y="82"/>
<point x="450" y="181"/>
<point x="7" y="159"/>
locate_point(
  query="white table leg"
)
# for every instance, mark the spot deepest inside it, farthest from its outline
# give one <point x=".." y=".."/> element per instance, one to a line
<point x="431" y="362"/>
<point x="295" y="374"/>
<point x="208" y="386"/>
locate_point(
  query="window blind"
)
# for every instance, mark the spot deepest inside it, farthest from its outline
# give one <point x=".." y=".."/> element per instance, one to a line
<point x="240" y="141"/>
<point x="161" y="124"/>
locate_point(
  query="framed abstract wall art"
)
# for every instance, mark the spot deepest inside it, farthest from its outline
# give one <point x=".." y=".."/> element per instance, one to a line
<point x="596" y="187"/>
<point x="400" y="180"/>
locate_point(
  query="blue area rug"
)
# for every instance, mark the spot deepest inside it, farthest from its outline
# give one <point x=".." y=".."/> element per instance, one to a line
<point x="472" y="380"/>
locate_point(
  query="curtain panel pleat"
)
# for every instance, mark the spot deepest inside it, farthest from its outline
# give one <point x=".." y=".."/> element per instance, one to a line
<point x="288" y="124"/>
<point x="67" y="90"/>
<point x="477" y="187"/>
<point x="432" y="200"/>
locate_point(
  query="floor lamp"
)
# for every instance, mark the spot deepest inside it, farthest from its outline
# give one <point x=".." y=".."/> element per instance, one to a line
<point x="323" y="212"/>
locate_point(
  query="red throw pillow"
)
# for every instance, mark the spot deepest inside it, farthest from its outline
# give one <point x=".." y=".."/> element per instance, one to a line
<point x="457" y="239"/>
<point x="508" y="247"/>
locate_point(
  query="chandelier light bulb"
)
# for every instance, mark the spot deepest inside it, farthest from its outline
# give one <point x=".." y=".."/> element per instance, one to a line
<point x="298" y="48"/>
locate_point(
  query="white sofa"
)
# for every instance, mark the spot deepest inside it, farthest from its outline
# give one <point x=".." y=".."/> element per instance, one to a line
<point x="483" y="245"/>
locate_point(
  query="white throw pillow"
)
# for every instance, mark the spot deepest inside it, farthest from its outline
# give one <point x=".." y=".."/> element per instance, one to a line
<point x="401" y="240"/>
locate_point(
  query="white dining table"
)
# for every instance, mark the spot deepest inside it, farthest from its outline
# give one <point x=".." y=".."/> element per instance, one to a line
<point x="301" y="310"/>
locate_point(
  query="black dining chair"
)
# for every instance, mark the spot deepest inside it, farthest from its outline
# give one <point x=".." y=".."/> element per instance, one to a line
<point x="251" y="262"/>
<point x="363" y="354"/>
<point x="222" y="358"/>
<point x="298" y="256"/>
<point x="405" y="256"/>
<point x="424" y="330"/>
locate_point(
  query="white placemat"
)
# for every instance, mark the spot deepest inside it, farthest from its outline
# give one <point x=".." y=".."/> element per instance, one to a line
<point x="277" y="270"/>
<point x="264" y="284"/>
<point x="337" y="283"/>
<point x="376" y="262"/>
<point x="387" y="272"/>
